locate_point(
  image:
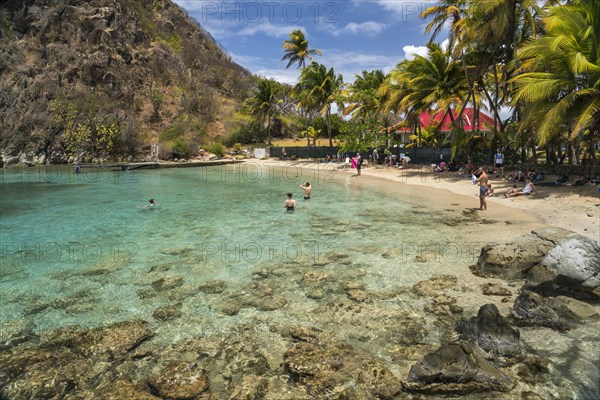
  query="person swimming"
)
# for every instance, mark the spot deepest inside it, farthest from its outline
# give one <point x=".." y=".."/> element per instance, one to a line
<point x="152" y="203"/>
<point x="290" y="204"/>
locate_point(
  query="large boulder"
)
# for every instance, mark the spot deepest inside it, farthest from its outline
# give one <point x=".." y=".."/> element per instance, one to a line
<point x="572" y="267"/>
<point x="491" y="332"/>
<point x="512" y="260"/>
<point x="456" y="369"/>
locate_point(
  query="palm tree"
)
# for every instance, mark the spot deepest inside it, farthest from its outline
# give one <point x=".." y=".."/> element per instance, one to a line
<point x="446" y="11"/>
<point x="296" y="49"/>
<point x="263" y="105"/>
<point x="317" y="89"/>
<point x="559" y="78"/>
<point x="434" y="82"/>
<point x="366" y="103"/>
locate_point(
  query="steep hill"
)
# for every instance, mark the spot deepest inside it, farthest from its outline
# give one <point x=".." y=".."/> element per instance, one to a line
<point x="105" y="78"/>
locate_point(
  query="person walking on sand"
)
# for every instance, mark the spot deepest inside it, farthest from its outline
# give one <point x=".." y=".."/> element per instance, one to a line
<point x="290" y="204"/>
<point x="358" y="164"/>
<point x="307" y="189"/>
<point x="483" y="188"/>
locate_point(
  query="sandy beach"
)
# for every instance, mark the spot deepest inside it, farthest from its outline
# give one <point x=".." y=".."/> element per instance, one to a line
<point x="569" y="207"/>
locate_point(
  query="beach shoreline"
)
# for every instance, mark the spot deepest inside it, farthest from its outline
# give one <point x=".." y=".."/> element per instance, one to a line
<point x="569" y="207"/>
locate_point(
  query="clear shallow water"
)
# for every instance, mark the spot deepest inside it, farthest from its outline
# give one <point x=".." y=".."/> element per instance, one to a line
<point x="81" y="249"/>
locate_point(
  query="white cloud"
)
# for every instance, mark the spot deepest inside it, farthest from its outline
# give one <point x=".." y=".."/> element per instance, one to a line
<point x="351" y="63"/>
<point x="281" y="75"/>
<point x="269" y="29"/>
<point x="368" y="28"/>
<point x="411" y="51"/>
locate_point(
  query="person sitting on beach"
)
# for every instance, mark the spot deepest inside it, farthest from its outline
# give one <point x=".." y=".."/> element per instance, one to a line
<point x="581" y="181"/>
<point x="307" y="189"/>
<point x="469" y="168"/>
<point x="290" y="204"/>
<point x="490" y="192"/>
<point x="528" y="189"/>
<point x="441" y="167"/>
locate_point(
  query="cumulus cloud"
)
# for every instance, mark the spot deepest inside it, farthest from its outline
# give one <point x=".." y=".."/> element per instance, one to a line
<point x="411" y="51"/>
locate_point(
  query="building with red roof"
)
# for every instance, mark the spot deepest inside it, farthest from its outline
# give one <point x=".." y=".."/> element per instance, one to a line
<point x="431" y="121"/>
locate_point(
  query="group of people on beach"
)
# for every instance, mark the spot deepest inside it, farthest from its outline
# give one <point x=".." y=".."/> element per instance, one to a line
<point x="481" y="178"/>
<point x="290" y="202"/>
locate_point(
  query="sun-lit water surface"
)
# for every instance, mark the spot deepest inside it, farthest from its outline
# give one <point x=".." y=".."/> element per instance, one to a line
<point x="83" y="249"/>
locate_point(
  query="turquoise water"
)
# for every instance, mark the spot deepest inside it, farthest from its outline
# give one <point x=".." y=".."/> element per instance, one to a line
<point x="82" y="249"/>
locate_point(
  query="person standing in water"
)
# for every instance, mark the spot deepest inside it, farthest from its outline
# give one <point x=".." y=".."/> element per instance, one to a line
<point x="307" y="189"/>
<point x="290" y="204"/>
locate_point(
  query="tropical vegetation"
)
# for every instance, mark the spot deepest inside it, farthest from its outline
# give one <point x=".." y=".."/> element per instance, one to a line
<point x="533" y="66"/>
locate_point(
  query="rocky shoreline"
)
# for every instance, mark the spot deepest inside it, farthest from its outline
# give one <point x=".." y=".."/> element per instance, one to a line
<point x="475" y="357"/>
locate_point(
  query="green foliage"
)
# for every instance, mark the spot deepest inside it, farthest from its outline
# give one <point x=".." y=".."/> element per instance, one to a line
<point x="181" y="147"/>
<point x="6" y="31"/>
<point x="173" y="132"/>
<point x="216" y="148"/>
<point x="312" y="134"/>
<point x="245" y="134"/>
<point x="84" y="132"/>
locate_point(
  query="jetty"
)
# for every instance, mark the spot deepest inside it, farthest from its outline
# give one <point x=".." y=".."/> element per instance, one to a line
<point x="157" y="165"/>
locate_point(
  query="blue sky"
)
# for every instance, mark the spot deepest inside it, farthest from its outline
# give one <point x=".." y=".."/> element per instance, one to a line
<point x="353" y="35"/>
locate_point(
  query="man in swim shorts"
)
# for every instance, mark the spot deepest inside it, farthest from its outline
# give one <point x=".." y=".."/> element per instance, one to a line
<point x="483" y="188"/>
<point x="307" y="189"/>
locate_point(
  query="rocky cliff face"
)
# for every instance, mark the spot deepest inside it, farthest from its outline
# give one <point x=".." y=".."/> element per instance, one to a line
<point x="104" y="78"/>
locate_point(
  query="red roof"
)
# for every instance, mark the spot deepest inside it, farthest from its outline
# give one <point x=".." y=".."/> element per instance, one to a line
<point x="486" y="123"/>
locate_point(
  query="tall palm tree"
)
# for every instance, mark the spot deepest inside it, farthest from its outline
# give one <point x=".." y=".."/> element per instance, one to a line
<point x="263" y="104"/>
<point x="318" y="88"/>
<point x="296" y="49"/>
<point x="559" y="77"/>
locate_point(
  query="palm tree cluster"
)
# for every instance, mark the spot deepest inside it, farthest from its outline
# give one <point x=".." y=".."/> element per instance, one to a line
<point x="533" y="65"/>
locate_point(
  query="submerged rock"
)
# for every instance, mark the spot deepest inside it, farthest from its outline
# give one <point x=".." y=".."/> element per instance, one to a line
<point x="168" y="283"/>
<point x="167" y="313"/>
<point x="433" y="286"/>
<point x="491" y="332"/>
<point x="531" y="308"/>
<point x="180" y="380"/>
<point x="213" y="287"/>
<point x="456" y="369"/>
<point x="325" y="365"/>
<point x="70" y="361"/>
